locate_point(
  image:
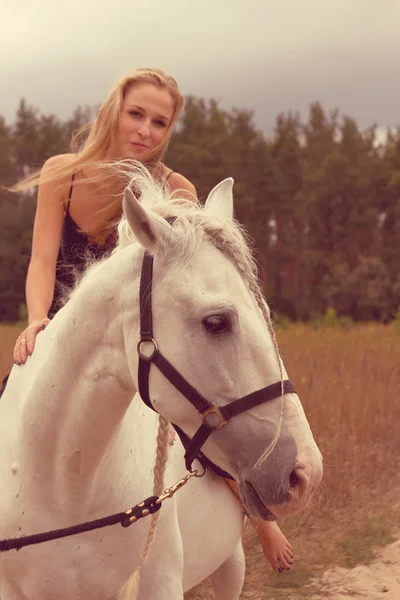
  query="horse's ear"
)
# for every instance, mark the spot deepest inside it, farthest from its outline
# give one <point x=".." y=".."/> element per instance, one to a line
<point x="150" y="230"/>
<point x="220" y="199"/>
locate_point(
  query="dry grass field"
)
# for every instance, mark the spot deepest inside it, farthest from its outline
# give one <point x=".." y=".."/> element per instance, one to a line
<point x="349" y="383"/>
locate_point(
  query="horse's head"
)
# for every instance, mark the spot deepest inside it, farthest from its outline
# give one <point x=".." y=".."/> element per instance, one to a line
<point x="212" y="325"/>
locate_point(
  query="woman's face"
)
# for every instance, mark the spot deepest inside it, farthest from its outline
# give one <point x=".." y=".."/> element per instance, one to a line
<point x="143" y="121"/>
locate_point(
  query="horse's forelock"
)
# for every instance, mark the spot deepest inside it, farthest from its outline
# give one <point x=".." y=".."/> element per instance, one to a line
<point x="193" y="223"/>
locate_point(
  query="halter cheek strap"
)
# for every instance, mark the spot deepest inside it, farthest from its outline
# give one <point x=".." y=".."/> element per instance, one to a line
<point x="145" y="360"/>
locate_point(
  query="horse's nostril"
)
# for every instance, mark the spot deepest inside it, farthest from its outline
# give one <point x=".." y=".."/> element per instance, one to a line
<point x="298" y="480"/>
<point x="293" y="479"/>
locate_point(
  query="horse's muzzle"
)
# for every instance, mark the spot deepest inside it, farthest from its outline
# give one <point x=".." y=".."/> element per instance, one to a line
<point x="277" y="484"/>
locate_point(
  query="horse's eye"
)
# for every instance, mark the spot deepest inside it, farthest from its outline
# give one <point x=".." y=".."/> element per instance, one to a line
<point x="217" y="324"/>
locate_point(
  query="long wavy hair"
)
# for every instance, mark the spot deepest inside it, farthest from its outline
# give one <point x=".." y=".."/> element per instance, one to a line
<point x="89" y="146"/>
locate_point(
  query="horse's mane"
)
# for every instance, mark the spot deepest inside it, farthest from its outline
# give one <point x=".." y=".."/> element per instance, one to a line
<point x="193" y="224"/>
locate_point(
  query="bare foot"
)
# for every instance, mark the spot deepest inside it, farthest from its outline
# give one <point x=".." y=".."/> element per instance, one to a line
<point x="276" y="547"/>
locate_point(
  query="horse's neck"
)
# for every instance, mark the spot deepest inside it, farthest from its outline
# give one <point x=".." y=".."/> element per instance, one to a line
<point x="81" y="390"/>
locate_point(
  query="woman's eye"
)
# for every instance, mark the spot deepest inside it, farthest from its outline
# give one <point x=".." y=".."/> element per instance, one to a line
<point x="160" y="123"/>
<point x="217" y="324"/>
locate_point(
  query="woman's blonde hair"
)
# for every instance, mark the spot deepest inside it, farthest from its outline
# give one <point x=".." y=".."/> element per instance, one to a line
<point x="90" y="144"/>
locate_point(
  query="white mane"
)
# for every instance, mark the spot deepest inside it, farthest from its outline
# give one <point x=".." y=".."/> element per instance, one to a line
<point x="193" y="225"/>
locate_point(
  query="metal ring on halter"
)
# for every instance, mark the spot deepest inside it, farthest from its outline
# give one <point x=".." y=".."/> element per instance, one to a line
<point x="208" y="416"/>
<point x="195" y="471"/>
<point x="21" y="341"/>
<point x="145" y="356"/>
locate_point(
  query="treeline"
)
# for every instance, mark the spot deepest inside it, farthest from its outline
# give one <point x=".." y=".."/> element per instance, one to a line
<point x="321" y="199"/>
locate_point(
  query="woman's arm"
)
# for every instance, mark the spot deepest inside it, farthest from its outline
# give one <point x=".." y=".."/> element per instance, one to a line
<point x="46" y="239"/>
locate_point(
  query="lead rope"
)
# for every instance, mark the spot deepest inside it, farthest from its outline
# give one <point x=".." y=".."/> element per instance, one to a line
<point x="130" y="589"/>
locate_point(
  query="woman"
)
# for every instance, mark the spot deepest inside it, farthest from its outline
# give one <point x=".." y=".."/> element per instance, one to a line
<point x="79" y="204"/>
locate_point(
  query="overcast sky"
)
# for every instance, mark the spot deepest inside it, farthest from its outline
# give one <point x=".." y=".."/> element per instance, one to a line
<point x="267" y="55"/>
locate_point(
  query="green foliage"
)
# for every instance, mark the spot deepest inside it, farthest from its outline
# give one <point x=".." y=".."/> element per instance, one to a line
<point x="16" y="221"/>
<point x="327" y="320"/>
<point x="316" y="320"/>
<point x="22" y="313"/>
<point x="330" y="318"/>
<point x="371" y="290"/>
<point x="319" y="198"/>
<point x="361" y="543"/>
<point x="396" y="321"/>
<point x="366" y="292"/>
<point x="346" y="322"/>
<point x="281" y="321"/>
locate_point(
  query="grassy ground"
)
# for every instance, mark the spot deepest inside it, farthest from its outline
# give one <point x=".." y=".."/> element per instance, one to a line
<point x="349" y="384"/>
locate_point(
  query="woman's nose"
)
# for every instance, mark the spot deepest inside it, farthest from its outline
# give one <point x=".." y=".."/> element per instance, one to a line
<point x="144" y="129"/>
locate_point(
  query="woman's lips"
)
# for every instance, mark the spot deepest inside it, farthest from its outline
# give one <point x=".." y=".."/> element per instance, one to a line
<point x="138" y="145"/>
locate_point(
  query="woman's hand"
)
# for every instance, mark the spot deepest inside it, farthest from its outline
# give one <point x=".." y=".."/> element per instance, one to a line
<point x="26" y="341"/>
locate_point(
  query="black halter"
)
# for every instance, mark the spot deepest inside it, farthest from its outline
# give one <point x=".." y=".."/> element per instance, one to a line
<point x="213" y="415"/>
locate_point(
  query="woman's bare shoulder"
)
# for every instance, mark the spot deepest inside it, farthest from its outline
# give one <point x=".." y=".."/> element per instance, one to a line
<point x="55" y="178"/>
<point x="176" y="181"/>
<point x="59" y="160"/>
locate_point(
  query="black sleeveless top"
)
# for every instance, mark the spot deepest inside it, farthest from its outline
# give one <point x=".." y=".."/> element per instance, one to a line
<point x="75" y="252"/>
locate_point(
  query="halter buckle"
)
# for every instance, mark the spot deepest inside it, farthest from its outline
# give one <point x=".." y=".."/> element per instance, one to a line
<point x="213" y="409"/>
<point x="147" y="357"/>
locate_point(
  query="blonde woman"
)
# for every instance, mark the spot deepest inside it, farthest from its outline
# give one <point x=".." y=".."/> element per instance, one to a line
<point x="79" y="204"/>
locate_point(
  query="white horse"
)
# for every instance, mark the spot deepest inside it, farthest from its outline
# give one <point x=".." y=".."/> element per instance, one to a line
<point x="74" y="446"/>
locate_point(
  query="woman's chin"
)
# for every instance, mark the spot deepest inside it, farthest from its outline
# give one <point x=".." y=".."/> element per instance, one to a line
<point x="138" y="154"/>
